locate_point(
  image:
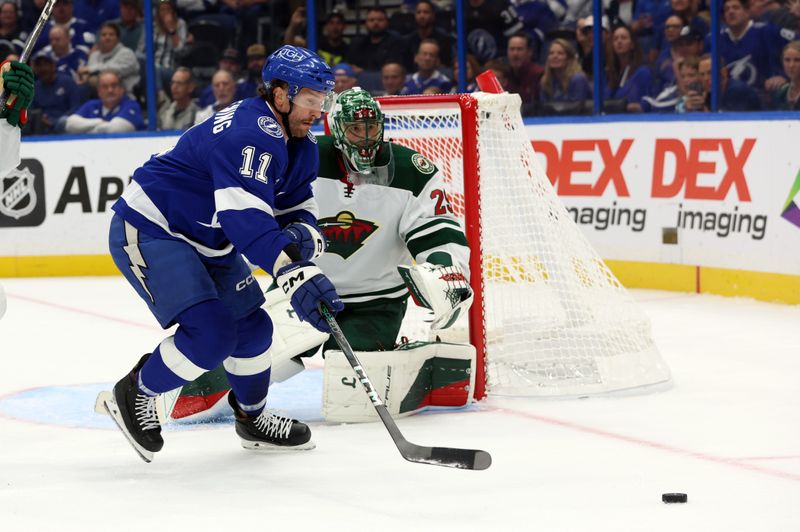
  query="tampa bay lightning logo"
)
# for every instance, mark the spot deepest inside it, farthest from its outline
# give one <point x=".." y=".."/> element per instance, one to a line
<point x="269" y="126"/>
<point x="744" y="70"/>
<point x="290" y="55"/>
<point x="312" y="137"/>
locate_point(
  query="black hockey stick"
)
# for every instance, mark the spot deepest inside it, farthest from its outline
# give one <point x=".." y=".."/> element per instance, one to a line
<point x="441" y="456"/>
<point x="29" y="44"/>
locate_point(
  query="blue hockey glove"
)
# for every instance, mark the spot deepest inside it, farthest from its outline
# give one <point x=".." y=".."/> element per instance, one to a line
<point x="308" y="238"/>
<point x="307" y="286"/>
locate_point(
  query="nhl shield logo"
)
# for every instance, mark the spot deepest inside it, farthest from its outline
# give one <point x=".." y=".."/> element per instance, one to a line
<point x="17" y="193"/>
<point x="22" y="196"/>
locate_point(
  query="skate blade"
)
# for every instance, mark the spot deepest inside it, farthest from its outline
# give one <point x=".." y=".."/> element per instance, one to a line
<point x="113" y="410"/>
<point x="99" y="403"/>
<point x="263" y="447"/>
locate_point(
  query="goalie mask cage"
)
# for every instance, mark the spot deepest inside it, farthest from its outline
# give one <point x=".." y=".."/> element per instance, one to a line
<point x="549" y="318"/>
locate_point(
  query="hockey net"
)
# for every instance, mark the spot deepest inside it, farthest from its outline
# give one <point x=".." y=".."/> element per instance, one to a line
<point x="549" y="318"/>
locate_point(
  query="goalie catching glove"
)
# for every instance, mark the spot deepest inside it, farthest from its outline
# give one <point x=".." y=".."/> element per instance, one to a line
<point x="308" y="239"/>
<point x="444" y="290"/>
<point x="307" y="287"/>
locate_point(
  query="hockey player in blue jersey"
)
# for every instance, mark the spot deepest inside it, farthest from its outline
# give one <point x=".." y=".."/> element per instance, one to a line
<point x="238" y="184"/>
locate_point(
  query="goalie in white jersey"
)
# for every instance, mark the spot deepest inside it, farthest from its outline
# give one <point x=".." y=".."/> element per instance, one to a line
<point x="381" y="206"/>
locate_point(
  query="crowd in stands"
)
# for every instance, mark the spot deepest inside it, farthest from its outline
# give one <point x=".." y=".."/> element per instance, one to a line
<point x="89" y="60"/>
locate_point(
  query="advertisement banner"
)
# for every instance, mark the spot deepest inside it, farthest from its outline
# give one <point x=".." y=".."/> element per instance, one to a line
<point x="719" y="194"/>
<point x="58" y="201"/>
<point x="722" y="194"/>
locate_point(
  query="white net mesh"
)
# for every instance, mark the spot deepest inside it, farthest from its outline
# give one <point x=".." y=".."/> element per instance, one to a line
<point x="556" y="320"/>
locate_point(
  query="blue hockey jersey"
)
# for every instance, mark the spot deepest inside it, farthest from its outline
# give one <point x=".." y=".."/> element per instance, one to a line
<point x="755" y="56"/>
<point x="230" y="183"/>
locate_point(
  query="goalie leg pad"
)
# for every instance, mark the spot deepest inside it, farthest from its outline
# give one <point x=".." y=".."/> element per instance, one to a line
<point x="200" y="400"/>
<point x="408" y="380"/>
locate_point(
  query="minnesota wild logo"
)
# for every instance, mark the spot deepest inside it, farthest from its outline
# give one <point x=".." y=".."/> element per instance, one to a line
<point x="345" y="233"/>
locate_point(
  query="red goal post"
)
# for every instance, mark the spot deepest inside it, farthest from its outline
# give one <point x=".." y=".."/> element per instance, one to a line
<point x="549" y="318"/>
<point x="468" y="208"/>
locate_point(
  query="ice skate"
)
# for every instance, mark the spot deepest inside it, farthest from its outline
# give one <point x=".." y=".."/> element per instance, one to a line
<point x="270" y="431"/>
<point x="135" y="414"/>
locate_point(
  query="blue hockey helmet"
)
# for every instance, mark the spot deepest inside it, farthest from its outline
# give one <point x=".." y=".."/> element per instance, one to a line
<point x="300" y="68"/>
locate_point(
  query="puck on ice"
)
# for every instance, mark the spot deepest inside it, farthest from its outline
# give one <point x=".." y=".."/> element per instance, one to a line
<point x="673" y="497"/>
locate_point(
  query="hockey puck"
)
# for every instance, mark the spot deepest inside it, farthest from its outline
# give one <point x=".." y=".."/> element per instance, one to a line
<point x="673" y="497"/>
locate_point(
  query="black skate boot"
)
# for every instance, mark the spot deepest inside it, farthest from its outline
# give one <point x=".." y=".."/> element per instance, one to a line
<point x="269" y="431"/>
<point x="135" y="414"/>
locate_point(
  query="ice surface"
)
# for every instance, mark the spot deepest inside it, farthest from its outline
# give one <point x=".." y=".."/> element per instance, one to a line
<point x="727" y="434"/>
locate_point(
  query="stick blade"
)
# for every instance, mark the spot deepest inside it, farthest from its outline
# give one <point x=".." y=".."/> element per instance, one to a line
<point x="447" y="457"/>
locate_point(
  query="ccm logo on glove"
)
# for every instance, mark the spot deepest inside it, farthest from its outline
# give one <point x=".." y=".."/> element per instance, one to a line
<point x="289" y="283"/>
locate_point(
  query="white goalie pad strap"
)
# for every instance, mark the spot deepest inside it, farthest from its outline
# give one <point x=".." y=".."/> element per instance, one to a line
<point x="177" y="362"/>
<point x="248" y="366"/>
<point x="407" y="381"/>
<point x="443" y="289"/>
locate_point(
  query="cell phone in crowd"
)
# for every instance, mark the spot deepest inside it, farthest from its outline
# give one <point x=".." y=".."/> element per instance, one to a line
<point x="696" y="86"/>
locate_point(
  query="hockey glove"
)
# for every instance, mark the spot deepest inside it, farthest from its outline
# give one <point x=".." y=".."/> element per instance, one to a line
<point x="306" y="286"/>
<point x="308" y="239"/>
<point x="444" y="290"/>
<point x="18" y="85"/>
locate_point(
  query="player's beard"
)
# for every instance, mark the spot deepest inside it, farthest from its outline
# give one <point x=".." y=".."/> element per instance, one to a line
<point x="297" y="128"/>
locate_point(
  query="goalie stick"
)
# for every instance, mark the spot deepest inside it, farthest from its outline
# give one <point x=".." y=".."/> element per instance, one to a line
<point x="441" y="456"/>
<point x="29" y="44"/>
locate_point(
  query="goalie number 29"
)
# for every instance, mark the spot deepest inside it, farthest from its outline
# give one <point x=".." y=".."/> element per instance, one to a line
<point x="442" y="202"/>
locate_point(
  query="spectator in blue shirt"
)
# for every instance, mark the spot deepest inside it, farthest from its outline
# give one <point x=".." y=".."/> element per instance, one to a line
<point x="427" y="74"/>
<point x="629" y="78"/>
<point x="70" y="60"/>
<point x="80" y="34"/>
<point x="95" y="12"/>
<point x="112" y="112"/>
<point x="734" y="95"/>
<point x="56" y="95"/>
<point x="668" y="54"/>
<point x="563" y="80"/>
<point x="687" y="11"/>
<point x="751" y="50"/>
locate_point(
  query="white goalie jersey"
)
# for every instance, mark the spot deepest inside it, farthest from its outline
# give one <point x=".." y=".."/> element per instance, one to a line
<point x="9" y="147"/>
<point x="371" y="229"/>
